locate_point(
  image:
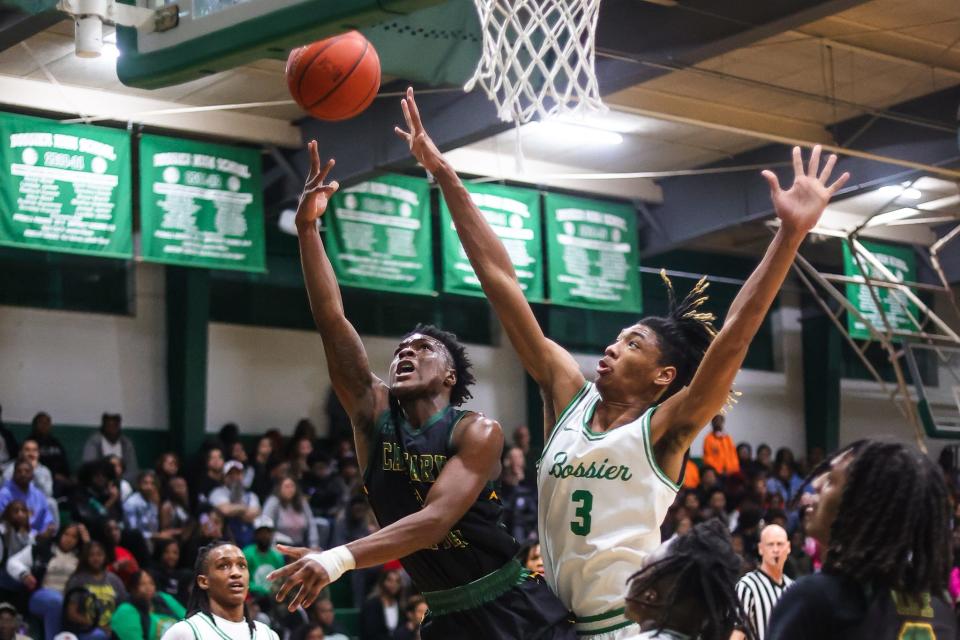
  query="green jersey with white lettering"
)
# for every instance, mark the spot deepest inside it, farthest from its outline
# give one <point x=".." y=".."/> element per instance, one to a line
<point x="602" y="500"/>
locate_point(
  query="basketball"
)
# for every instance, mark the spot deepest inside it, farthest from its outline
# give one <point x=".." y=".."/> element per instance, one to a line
<point x="336" y="78"/>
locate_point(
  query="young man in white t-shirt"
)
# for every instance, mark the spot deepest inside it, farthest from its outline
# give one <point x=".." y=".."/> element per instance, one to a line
<point x="216" y="609"/>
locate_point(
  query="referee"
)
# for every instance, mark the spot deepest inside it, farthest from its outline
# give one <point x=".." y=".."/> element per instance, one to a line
<point x="760" y="589"/>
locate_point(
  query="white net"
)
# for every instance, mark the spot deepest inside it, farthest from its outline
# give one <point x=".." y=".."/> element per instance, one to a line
<point x="538" y="57"/>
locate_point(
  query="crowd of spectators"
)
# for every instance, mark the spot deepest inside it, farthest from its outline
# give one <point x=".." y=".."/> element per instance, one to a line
<point x="106" y="550"/>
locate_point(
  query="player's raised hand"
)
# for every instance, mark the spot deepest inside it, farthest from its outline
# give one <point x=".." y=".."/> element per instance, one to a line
<point x="800" y="207"/>
<point x="316" y="193"/>
<point x="421" y="146"/>
<point x="304" y="572"/>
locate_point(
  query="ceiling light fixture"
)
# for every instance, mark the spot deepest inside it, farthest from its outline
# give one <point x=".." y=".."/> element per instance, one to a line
<point x="575" y="133"/>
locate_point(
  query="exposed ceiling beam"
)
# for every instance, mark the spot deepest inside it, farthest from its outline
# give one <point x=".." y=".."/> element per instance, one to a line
<point x="43" y="96"/>
<point x="899" y="44"/>
<point x="681" y="34"/>
<point x="696" y="206"/>
<point x="786" y="137"/>
<point x="17" y="26"/>
<point x="888" y="52"/>
<point x="695" y="110"/>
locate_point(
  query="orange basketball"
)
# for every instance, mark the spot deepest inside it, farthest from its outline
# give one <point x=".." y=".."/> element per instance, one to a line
<point x="336" y="78"/>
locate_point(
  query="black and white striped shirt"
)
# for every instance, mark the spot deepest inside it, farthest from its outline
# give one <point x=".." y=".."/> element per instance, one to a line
<point x="758" y="594"/>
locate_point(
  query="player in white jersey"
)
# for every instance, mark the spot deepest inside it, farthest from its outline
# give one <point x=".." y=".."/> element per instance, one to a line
<point x="616" y="446"/>
<point x="217" y="606"/>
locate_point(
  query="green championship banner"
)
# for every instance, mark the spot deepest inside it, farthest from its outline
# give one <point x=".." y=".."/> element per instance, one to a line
<point x="592" y="254"/>
<point x="514" y="215"/>
<point x="379" y="235"/>
<point x="64" y="187"/>
<point x="201" y="204"/>
<point x="899" y="260"/>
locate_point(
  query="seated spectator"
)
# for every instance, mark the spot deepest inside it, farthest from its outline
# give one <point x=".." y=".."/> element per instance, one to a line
<point x="210" y="528"/>
<point x="350" y="475"/>
<point x="42" y="477"/>
<point x="110" y="441"/>
<point x="148" y="613"/>
<point x="716" y="507"/>
<point x="532" y="558"/>
<point x="325" y="488"/>
<point x="521" y="438"/>
<point x="691" y="475"/>
<point x="92" y="582"/>
<point x="211" y="479"/>
<point x="9" y="449"/>
<point x="299" y="454"/>
<point x="228" y="435"/>
<point x="176" y="510"/>
<point x="238" y="506"/>
<point x="53" y="455"/>
<point x="21" y="488"/>
<point x="96" y="496"/>
<point x="262" y="464"/>
<point x="708" y="481"/>
<point x="141" y="511"/>
<point x="324" y="613"/>
<point x="518" y="496"/>
<point x="10" y="623"/>
<point x="799" y="564"/>
<point x="170" y="577"/>
<point x="168" y="466"/>
<point x="290" y="512"/>
<point x="784" y="481"/>
<point x="414" y="612"/>
<point x="353" y="523"/>
<point x="764" y="458"/>
<point x="126" y="489"/>
<point x="239" y="453"/>
<point x="262" y="557"/>
<point x="120" y="560"/>
<point x="380" y="614"/>
<point x="310" y="631"/>
<point x="745" y="459"/>
<point x="15" y="535"/>
<point x="49" y="566"/>
<point x="719" y="451"/>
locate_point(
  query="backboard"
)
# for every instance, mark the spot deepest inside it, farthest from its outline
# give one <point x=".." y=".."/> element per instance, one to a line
<point x="938" y="399"/>
<point x="216" y="35"/>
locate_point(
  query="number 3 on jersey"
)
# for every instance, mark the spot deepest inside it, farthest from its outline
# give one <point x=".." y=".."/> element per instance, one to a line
<point x="583" y="498"/>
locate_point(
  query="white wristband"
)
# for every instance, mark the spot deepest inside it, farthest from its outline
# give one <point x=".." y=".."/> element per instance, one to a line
<point x="335" y="562"/>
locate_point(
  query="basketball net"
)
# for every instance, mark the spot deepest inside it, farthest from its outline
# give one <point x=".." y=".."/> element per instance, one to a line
<point x="538" y="58"/>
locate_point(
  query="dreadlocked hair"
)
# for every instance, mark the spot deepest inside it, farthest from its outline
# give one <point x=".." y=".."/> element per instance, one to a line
<point x="684" y="333"/>
<point x="460" y="392"/>
<point x="892" y="529"/>
<point x="199" y="600"/>
<point x="707" y="569"/>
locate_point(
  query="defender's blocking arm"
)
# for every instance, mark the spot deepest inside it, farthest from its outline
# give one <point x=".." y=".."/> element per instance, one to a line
<point x="555" y="370"/>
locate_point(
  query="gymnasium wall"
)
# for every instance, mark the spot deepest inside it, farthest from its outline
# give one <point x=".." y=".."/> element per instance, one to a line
<point x="77" y="365"/>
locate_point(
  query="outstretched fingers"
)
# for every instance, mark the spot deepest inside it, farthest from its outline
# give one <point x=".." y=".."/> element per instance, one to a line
<point x="828" y="169"/>
<point x="417" y="126"/>
<point x="403" y="134"/>
<point x="407" y="115"/>
<point x="772" y="180"/>
<point x="314" y="160"/>
<point x="838" y="183"/>
<point x="326" y="169"/>
<point x="814" y="164"/>
<point x="797" y="163"/>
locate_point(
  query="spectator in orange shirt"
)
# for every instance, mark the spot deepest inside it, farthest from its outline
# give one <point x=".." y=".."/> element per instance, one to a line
<point x="719" y="451"/>
<point x="691" y="476"/>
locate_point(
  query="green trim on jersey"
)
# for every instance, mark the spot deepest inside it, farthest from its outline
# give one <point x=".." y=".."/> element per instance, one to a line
<point x="602" y="616"/>
<point x="561" y="417"/>
<point x="613" y="627"/>
<point x="648" y="448"/>
<point x="587" y="418"/>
